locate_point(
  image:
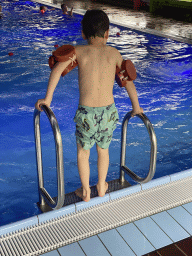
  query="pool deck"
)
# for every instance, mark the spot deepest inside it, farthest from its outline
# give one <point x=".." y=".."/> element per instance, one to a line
<point x="139" y="20"/>
<point x="167" y="232"/>
<point x="140" y="237"/>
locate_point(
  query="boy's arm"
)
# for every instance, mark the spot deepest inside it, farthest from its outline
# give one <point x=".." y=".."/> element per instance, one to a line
<point x="131" y="90"/>
<point x="53" y="81"/>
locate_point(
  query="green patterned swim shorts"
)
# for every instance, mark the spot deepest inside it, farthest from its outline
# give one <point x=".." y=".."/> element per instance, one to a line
<point x="95" y="125"/>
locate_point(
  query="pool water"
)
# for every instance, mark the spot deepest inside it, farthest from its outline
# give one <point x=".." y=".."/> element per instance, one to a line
<point x="163" y="83"/>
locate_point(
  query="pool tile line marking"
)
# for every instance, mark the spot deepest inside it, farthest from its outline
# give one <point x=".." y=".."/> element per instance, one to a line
<point x="88" y="222"/>
<point x="179" y="223"/>
<point x="112" y="237"/>
<point x="134" y="236"/>
<point x="183" y="217"/>
<point x="186" y="207"/>
<point x="164" y="225"/>
<point x="151" y="229"/>
<point x="169" y="248"/>
<point x="182" y="248"/>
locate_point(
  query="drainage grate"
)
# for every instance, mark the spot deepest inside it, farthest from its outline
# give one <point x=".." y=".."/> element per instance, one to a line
<point x="47" y="236"/>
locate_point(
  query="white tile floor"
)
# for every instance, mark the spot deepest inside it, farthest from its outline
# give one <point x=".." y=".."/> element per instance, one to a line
<point x="137" y="238"/>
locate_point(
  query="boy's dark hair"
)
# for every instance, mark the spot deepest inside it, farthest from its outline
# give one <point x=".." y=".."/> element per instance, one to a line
<point x="95" y="23"/>
<point x="63" y="5"/>
<point x="42" y="7"/>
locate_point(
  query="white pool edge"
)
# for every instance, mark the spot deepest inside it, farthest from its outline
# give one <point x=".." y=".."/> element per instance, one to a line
<point x="118" y="23"/>
<point x="36" y="220"/>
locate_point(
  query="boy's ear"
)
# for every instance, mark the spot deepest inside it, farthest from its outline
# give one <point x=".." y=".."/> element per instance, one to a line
<point x="83" y="35"/>
<point x="106" y="34"/>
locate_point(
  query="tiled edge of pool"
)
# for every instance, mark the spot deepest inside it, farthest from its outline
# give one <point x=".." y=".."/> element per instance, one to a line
<point x="119" y="23"/>
<point x="43" y="217"/>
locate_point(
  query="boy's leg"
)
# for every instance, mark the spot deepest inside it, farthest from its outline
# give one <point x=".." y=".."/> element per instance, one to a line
<point x="84" y="170"/>
<point x="102" y="165"/>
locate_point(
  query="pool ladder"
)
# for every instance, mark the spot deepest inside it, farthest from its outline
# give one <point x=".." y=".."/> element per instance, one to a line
<point x="153" y="156"/>
<point x="44" y="196"/>
<point x="46" y="202"/>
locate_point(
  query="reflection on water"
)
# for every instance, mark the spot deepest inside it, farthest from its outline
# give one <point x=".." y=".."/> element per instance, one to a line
<point x="139" y="19"/>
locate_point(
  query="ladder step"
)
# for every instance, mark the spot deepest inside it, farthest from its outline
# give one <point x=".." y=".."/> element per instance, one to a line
<point x="71" y="198"/>
<point x="46" y="195"/>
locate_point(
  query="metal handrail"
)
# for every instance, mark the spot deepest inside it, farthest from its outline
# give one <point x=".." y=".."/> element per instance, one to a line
<point x="153" y="155"/>
<point x="43" y="194"/>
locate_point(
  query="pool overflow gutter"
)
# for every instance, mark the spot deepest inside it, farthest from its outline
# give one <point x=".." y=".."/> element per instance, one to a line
<point x="46" y="202"/>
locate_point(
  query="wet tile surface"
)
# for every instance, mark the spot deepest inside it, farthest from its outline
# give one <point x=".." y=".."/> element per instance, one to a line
<point x="139" y="19"/>
<point x="170" y="226"/>
<point x="180" y="248"/>
<point x="150" y="230"/>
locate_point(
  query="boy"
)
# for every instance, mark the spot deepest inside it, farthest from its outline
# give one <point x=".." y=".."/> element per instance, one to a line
<point x="96" y="116"/>
<point x="65" y="10"/>
<point x="43" y="9"/>
<point x="1" y="13"/>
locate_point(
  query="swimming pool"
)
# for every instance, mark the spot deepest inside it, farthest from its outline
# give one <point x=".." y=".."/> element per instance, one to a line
<point x="164" y="77"/>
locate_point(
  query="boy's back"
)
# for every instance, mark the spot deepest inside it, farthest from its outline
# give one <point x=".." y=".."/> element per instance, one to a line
<point x="96" y="116"/>
<point x="97" y="65"/>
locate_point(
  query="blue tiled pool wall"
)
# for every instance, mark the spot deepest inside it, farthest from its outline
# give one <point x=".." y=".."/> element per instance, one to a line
<point x="156" y="109"/>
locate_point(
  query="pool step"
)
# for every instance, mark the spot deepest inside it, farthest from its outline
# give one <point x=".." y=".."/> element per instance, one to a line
<point x="71" y="198"/>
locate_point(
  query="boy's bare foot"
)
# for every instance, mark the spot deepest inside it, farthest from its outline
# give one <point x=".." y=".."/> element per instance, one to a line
<point x="80" y="192"/>
<point x="102" y="189"/>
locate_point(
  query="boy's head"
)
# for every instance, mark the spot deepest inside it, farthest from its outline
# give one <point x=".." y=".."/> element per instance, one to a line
<point x="42" y="7"/>
<point x="95" y="23"/>
<point x="63" y="6"/>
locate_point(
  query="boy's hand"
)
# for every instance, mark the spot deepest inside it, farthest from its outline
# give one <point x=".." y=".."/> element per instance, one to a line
<point x="41" y="102"/>
<point x="137" y="112"/>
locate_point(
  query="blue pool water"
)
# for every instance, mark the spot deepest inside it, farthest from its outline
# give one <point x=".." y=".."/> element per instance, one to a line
<point x="164" y="81"/>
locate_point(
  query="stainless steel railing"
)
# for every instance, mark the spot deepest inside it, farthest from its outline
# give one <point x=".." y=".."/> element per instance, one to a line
<point x="153" y="155"/>
<point x="44" y="196"/>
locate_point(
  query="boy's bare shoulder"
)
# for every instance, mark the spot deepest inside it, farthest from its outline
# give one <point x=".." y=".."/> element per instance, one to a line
<point x="117" y="55"/>
<point x="111" y="49"/>
<point x="114" y="51"/>
<point x="80" y="47"/>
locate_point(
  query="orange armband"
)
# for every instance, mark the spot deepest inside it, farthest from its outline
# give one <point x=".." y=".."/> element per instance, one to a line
<point x="62" y="54"/>
<point x="126" y="73"/>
